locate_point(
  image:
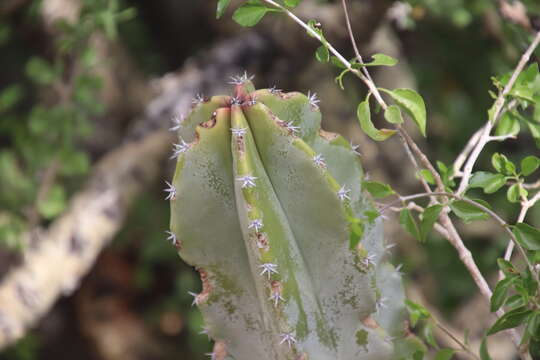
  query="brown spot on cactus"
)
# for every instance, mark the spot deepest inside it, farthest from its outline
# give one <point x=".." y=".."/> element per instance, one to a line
<point x="370" y="322"/>
<point x="206" y="286"/>
<point x="330" y="136"/>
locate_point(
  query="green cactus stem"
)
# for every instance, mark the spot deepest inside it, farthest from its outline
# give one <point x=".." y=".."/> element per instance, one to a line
<point x="263" y="203"/>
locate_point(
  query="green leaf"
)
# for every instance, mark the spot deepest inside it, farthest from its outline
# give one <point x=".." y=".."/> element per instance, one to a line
<point x="74" y="163"/>
<point x="500" y="293"/>
<point x="5" y="33"/>
<point x="533" y="324"/>
<point x="392" y="114"/>
<point x="534" y="128"/>
<point x="322" y="54"/>
<point x="410" y="101"/>
<point x="427" y="175"/>
<point x="512" y="194"/>
<point x="444" y="354"/>
<point x="429" y="217"/>
<point x="337" y="63"/>
<point x="222" y="6"/>
<point x="467" y="211"/>
<point x="10" y="96"/>
<point x="502" y="165"/>
<point x="527" y="236"/>
<point x="484" y="354"/>
<point x="53" y="204"/>
<point x="316" y="27"/>
<point x="364" y="117"/>
<point x="250" y="13"/>
<point x="427" y="332"/>
<point x="381" y="60"/>
<point x="40" y="71"/>
<point x="507" y="125"/>
<point x="416" y="312"/>
<point x="507" y="267"/>
<point x="510" y="320"/>
<point x="292" y="3"/>
<point x="446" y="174"/>
<point x="378" y="190"/>
<point x="529" y="165"/>
<point x="409" y="223"/>
<point x="489" y="182"/>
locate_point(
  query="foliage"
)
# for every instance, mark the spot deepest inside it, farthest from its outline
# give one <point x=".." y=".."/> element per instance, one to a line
<point x="42" y="162"/>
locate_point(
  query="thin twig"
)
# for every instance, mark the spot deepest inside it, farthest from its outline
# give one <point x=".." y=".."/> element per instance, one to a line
<point x="455" y="338"/>
<point x="534" y="185"/>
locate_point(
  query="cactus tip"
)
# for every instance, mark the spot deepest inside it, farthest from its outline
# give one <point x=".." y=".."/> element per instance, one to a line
<point x="236" y="100"/>
<point x="256" y="224"/>
<point x="198" y="99"/>
<point x="343" y="193"/>
<point x="368" y="260"/>
<point x="313" y="100"/>
<point x="275" y="90"/>
<point x="319" y="160"/>
<point x="171" y="237"/>
<point x="275" y="295"/>
<point x="238" y="131"/>
<point x="287" y="338"/>
<point x="171" y="190"/>
<point x="179" y="149"/>
<point x="195" y="298"/>
<point x="388" y="248"/>
<point x="269" y="269"/>
<point x="241" y="79"/>
<point x="177" y="122"/>
<point x="293" y="129"/>
<point x="247" y="181"/>
<point x="354" y="149"/>
<point x="380" y="304"/>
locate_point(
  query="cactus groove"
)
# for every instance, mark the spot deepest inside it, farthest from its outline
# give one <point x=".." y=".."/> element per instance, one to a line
<point x="262" y="205"/>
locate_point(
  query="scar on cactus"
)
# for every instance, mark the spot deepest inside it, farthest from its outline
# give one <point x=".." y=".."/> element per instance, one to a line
<point x="280" y="267"/>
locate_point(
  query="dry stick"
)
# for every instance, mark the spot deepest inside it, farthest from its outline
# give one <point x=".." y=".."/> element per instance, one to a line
<point x="534" y="185"/>
<point x="455" y="338"/>
<point x="473" y="141"/>
<point x="497" y="110"/>
<point x="460" y="160"/>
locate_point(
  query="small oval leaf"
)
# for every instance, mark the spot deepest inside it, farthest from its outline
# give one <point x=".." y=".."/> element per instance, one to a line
<point x="467" y="211"/>
<point x="529" y="165"/>
<point x="250" y="13"/>
<point x="410" y="101"/>
<point x="381" y="60"/>
<point x="392" y="114"/>
<point x="487" y="181"/>
<point x="378" y="190"/>
<point x="364" y="117"/>
<point x="527" y="236"/>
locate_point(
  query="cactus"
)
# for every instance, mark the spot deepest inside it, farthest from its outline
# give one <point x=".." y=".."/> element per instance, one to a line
<point x="263" y="204"/>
